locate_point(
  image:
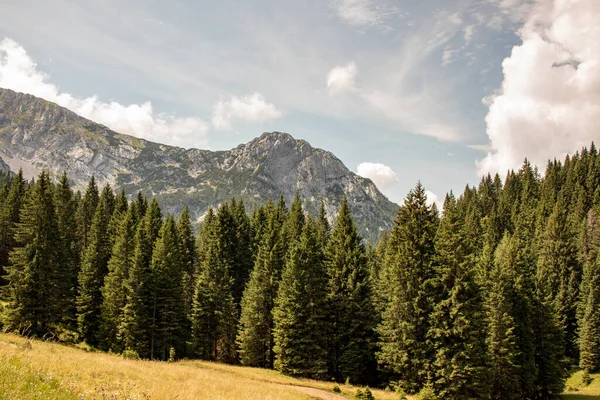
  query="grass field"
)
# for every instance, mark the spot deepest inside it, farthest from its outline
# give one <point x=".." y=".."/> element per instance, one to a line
<point x="42" y="370"/>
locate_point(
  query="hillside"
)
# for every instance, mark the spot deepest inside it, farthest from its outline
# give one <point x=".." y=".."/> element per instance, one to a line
<point x="36" y="134"/>
<point x="41" y="370"/>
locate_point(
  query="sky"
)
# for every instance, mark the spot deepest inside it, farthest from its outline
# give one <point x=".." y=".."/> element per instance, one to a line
<point x="438" y="91"/>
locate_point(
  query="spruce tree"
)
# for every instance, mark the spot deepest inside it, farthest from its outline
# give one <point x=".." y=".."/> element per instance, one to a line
<point x="34" y="283"/>
<point x="85" y="213"/>
<point x="214" y="312"/>
<point x="255" y="336"/>
<point x="168" y="323"/>
<point x="589" y="325"/>
<point x="114" y="292"/>
<point x="457" y="321"/>
<point x="404" y="348"/>
<point x="139" y="289"/>
<point x="94" y="267"/>
<point x="301" y="329"/>
<point x="502" y="348"/>
<point x="349" y="301"/>
<point x="66" y="208"/>
<point x="188" y="258"/>
<point x="10" y="214"/>
<point x="559" y="271"/>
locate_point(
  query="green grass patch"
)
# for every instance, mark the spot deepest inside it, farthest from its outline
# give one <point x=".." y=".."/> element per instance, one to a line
<point x="19" y="381"/>
<point x="577" y="389"/>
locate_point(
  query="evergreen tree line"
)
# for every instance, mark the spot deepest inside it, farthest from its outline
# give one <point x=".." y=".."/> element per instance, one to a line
<point x="497" y="297"/>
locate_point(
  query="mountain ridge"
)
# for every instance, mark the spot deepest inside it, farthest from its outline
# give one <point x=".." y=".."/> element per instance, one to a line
<point x="37" y="134"/>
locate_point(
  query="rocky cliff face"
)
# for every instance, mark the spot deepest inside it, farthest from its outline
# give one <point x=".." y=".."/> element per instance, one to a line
<point x="36" y="134"/>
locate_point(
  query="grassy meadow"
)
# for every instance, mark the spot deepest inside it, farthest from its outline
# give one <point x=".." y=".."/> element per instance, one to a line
<point x="43" y="370"/>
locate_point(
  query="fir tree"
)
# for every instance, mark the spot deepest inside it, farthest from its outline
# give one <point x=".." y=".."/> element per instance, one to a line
<point x="139" y="289"/>
<point x="349" y="302"/>
<point x="405" y="350"/>
<point x="34" y="288"/>
<point x="300" y="314"/>
<point x="503" y="352"/>
<point x="85" y="213"/>
<point x="188" y="258"/>
<point x="94" y="267"/>
<point x="457" y="322"/>
<point x="214" y="312"/>
<point x="66" y="208"/>
<point x="114" y="292"/>
<point x="168" y="310"/>
<point x="255" y="336"/>
<point x="589" y="325"/>
<point x="10" y="214"/>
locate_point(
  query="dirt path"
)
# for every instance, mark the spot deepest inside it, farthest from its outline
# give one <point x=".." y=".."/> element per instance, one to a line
<point x="317" y="393"/>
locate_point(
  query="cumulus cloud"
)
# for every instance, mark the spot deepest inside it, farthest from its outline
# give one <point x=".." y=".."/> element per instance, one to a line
<point x="432" y="198"/>
<point x="549" y="103"/>
<point x="249" y="108"/>
<point x="20" y="73"/>
<point x="342" y="79"/>
<point x="382" y="175"/>
<point x="362" y="12"/>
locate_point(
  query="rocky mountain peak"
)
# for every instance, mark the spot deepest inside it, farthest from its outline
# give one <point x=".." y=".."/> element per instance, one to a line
<point x="36" y="134"/>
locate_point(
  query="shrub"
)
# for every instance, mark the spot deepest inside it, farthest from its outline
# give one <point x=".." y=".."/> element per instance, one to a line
<point x="172" y="354"/>
<point x="336" y="389"/>
<point x="366" y="395"/>
<point x="426" y="393"/>
<point x="130" y="354"/>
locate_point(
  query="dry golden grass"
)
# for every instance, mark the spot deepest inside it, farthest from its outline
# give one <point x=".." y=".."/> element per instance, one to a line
<point x="56" y="371"/>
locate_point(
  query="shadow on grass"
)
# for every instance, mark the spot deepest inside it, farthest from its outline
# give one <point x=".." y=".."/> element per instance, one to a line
<point x="580" y="397"/>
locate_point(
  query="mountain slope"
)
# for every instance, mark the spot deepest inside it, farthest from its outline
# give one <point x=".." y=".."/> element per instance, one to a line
<point x="36" y="134"/>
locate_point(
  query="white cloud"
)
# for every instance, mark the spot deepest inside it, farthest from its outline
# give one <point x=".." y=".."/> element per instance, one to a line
<point x="382" y="175"/>
<point x="455" y="19"/>
<point x="249" y="108"/>
<point x="19" y="72"/>
<point x="362" y="12"/>
<point x="432" y="198"/>
<point x="342" y="79"/>
<point x="468" y="32"/>
<point x="549" y="104"/>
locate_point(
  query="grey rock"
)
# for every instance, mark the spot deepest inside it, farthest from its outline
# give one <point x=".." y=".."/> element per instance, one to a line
<point x="36" y="134"/>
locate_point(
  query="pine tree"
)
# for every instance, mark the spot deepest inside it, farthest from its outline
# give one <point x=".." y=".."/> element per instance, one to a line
<point x="168" y="309"/>
<point x="139" y="288"/>
<point x="188" y="258"/>
<point x="214" y="312"/>
<point x="255" y="336"/>
<point x="349" y="302"/>
<point x="405" y="350"/>
<point x="94" y="267"/>
<point x="114" y="290"/>
<point x="34" y="289"/>
<point x="10" y="214"/>
<point x="589" y="325"/>
<point x="300" y="314"/>
<point x="243" y="258"/>
<point x="66" y="208"/>
<point x="85" y="213"/>
<point x="502" y="349"/>
<point x="559" y="271"/>
<point x="457" y="321"/>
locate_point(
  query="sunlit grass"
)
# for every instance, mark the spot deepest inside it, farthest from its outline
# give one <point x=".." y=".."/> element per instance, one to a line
<point x="44" y="370"/>
<point x="578" y="390"/>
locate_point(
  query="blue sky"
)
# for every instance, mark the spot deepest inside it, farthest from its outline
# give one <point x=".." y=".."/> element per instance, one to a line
<point x="398" y="85"/>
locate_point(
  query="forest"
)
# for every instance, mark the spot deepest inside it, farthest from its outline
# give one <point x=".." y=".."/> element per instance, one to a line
<point x="497" y="295"/>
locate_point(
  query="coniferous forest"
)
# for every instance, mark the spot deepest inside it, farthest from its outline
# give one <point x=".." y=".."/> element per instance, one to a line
<point x="496" y="296"/>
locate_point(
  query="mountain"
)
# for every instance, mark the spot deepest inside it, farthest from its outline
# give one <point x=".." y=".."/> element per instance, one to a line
<point x="36" y="134"/>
